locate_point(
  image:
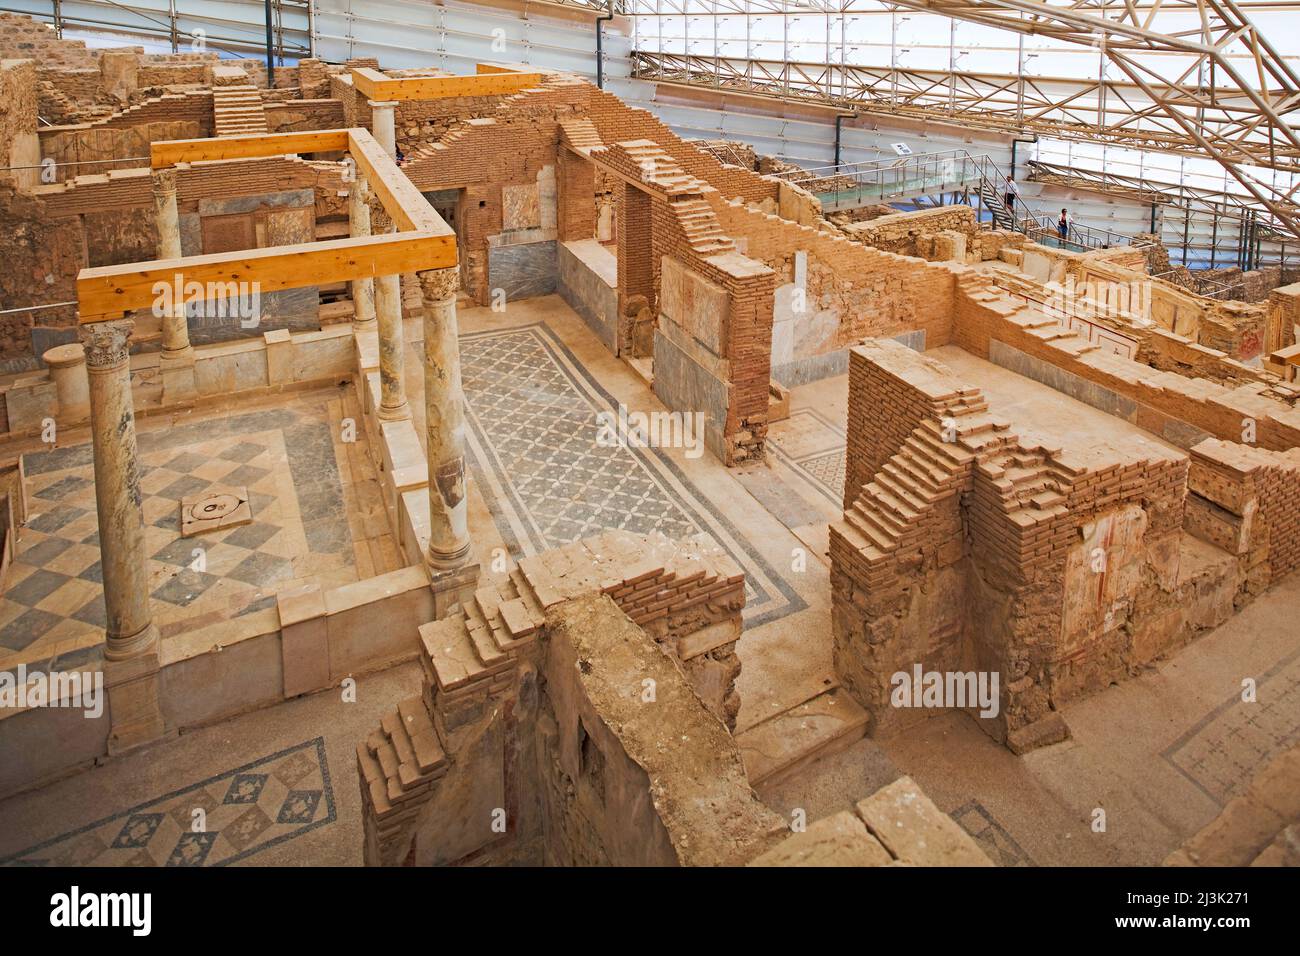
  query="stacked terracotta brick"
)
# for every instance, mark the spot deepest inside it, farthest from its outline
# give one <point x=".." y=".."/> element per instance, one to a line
<point x="126" y="188"/>
<point x="751" y="291"/>
<point x="1246" y="500"/>
<point x="960" y="484"/>
<point x="903" y="515"/>
<point x="398" y="765"/>
<point x="520" y="136"/>
<point x="617" y="122"/>
<point x="682" y="224"/>
<point x="472" y="659"/>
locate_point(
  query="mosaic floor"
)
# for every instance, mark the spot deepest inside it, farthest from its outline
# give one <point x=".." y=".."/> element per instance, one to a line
<point x="226" y="818"/>
<point x="1223" y="752"/>
<point x="302" y="528"/>
<point x="994" y="840"/>
<point x="533" y="426"/>
<point x="812" y="445"/>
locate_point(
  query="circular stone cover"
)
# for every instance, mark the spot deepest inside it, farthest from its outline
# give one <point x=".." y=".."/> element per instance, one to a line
<point x="213" y="507"/>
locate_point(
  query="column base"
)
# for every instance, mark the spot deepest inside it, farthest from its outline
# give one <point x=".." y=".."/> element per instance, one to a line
<point x="178" y="379"/>
<point x="396" y="414"/>
<point x="134" y="707"/>
<point x="452" y="587"/>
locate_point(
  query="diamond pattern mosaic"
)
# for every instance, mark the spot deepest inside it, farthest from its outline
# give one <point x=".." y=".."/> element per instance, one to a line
<point x="221" y="820"/>
<point x="814" y="447"/>
<point x="532" y="410"/>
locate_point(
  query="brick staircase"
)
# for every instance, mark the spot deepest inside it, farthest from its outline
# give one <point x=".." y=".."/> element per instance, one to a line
<point x="701" y="227"/>
<point x="580" y="135"/>
<point x="473" y="654"/>
<point x="932" y="464"/>
<point x="237" y="110"/>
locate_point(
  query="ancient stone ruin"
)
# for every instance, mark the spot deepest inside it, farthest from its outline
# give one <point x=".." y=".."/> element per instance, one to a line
<point x="466" y="467"/>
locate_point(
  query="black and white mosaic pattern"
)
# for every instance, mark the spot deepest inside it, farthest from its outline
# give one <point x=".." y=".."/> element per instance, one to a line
<point x="533" y="439"/>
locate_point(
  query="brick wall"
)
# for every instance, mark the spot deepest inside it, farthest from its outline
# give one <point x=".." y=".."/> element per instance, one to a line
<point x="969" y="549"/>
<point x="870" y="292"/>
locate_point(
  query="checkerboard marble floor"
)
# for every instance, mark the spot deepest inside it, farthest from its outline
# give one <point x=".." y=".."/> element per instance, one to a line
<point x="313" y="501"/>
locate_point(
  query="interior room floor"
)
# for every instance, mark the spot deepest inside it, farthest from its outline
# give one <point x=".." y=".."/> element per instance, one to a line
<point x="1160" y="753"/>
<point x="316" y="516"/>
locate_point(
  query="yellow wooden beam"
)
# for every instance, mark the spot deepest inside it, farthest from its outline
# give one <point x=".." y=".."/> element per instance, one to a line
<point x="376" y="86"/>
<point x="171" y="152"/>
<point x="398" y="195"/>
<point x="109" y="292"/>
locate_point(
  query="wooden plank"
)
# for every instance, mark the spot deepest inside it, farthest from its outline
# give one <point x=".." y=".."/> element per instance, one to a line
<point x="381" y="88"/>
<point x="398" y="195"/>
<point x="108" y="292"/>
<point x="171" y="152"/>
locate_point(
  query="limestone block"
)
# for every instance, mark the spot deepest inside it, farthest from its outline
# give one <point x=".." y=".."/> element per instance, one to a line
<point x="304" y="640"/>
<point x="915" y="831"/>
<point x="839" y="840"/>
<point x="279" y="356"/>
<point x="699" y="306"/>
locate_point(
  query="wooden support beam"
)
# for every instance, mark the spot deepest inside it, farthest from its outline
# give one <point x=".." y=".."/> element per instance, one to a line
<point x="376" y="86"/>
<point x="423" y="242"/>
<point x="109" y="292"/>
<point x="398" y="195"/>
<point x="171" y="152"/>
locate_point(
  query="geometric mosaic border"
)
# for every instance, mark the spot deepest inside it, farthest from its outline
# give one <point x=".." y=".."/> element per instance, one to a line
<point x="811" y="467"/>
<point x="1265" y="728"/>
<point x="300" y="809"/>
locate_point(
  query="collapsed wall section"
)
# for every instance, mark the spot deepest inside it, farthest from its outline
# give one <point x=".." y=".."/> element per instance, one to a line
<point x="831" y="292"/>
<point x="492" y="748"/>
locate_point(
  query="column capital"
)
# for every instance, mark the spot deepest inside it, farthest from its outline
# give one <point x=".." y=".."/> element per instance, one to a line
<point x="439" y="284"/>
<point x="359" y="189"/>
<point x="381" y="104"/>
<point x="164" y="181"/>
<point x="107" y="343"/>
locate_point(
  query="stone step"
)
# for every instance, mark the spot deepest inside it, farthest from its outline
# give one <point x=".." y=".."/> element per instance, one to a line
<point x="451" y="653"/>
<point x="782" y="745"/>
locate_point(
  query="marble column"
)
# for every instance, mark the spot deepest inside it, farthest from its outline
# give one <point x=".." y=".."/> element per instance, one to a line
<point x="177" y="356"/>
<point x="392" y="387"/>
<point x="363" y="290"/>
<point x="67" y="365"/>
<point x="444" y="409"/>
<point x="131" y="638"/>
<point x="175" y="330"/>
<point x="383" y="125"/>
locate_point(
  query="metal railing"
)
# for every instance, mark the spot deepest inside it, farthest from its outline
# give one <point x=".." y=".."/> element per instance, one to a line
<point x="1046" y="231"/>
<point x="722" y="152"/>
<point x="1209" y="288"/>
<point x="851" y="185"/>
